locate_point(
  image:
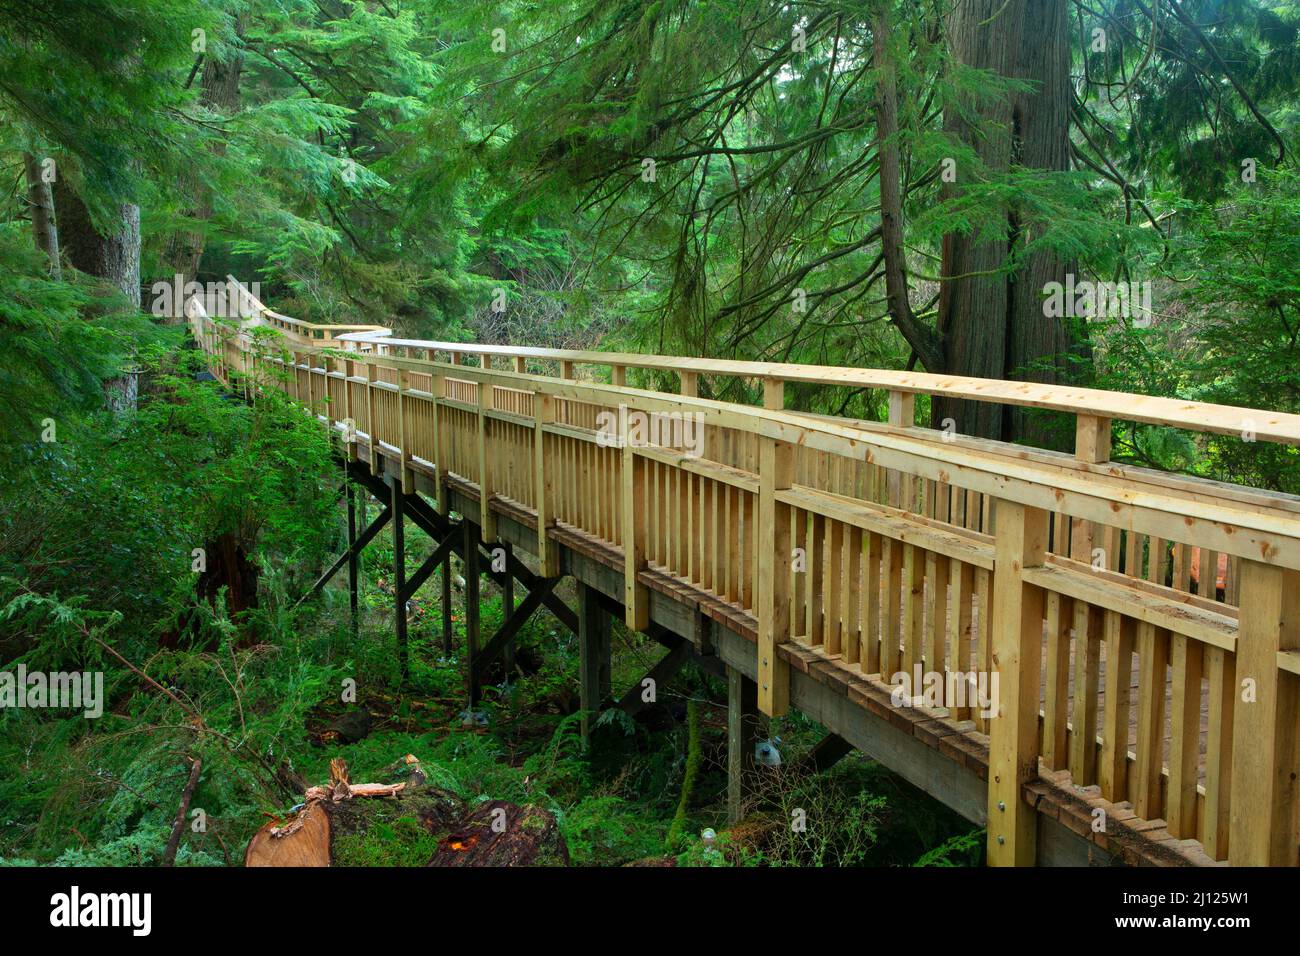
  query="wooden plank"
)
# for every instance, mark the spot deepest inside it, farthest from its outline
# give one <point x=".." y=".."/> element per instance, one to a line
<point x="1158" y="607"/>
<point x="891" y="607"/>
<point x="913" y="595"/>
<point x="851" y="591"/>
<point x="961" y="580"/>
<point x="1185" y="735"/>
<point x="872" y="545"/>
<point x="1059" y="613"/>
<point x="1153" y="659"/>
<point x="1113" y="771"/>
<point x="1017" y="629"/>
<point x="935" y="649"/>
<point x="1221" y="670"/>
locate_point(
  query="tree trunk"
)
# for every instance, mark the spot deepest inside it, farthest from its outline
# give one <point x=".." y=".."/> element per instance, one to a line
<point x="40" y="198"/>
<point x="992" y="323"/>
<point x="218" y="92"/>
<point x="113" y="255"/>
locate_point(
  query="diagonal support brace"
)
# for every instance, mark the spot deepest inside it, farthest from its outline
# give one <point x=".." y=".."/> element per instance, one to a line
<point x="366" y="537"/>
<point x="512" y="625"/>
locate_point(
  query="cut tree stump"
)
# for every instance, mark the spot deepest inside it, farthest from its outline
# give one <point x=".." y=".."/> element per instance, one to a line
<point x="504" y="834"/>
<point x="406" y="824"/>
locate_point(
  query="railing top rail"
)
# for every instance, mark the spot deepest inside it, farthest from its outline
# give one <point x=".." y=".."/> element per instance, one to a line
<point x="1259" y="424"/>
<point x="270" y="313"/>
<point x="1262" y="425"/>
<point x="1201" y="513"/>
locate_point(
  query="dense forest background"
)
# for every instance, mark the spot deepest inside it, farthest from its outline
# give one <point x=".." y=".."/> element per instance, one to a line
<point x="855" y="182"/>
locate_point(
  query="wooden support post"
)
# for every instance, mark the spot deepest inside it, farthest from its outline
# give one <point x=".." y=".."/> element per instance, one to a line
<point x="446" y="608"/>
<point x="487" y="518"/>
<point x="594" y="679"/>
<point x="1017" y="635"/>
<point x="690" y="383"/>
<point x="471" y="558"/>
<point x="507" y="611"/>
<point x="548" y="555"/>
<point x="399" y="573"/>
<point x="353" y="564"/>
<point x="520" y="367"/>
<point x="742" y="734"/>
<point x="1265" y="821"/>
<point x="618" y="375"/>
<point x="775" y="473"/>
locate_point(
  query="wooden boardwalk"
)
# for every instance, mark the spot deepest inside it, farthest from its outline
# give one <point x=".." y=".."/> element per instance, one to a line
<point x="1140" y="714"/>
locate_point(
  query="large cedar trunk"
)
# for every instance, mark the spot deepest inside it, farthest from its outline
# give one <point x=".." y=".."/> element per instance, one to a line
<point x="993" y="326"/>
<point x="113" y="255"/>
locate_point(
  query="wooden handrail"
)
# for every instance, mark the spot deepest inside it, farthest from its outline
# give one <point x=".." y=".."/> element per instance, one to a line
<point x="1280" y="427"/>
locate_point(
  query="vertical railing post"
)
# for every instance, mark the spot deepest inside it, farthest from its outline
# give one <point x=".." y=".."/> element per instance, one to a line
<point x="1265" y="820"/>
<point x="350" y="432"/>
<point x="690" y="383"/>
<point x="775" y="473"/>
<point x="311" y="385"/>
<point x="1092" y="446"/>
<point x="487" y="518"/>
<point x="1021" y="542"/>
<point x="403" y="386"/>
<point x="437" y="390"/>
<point x="548" y="555"/>
<point x="371" y="425"/>
<point x="902" y="412"/>
<point x="636" y="596"/>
